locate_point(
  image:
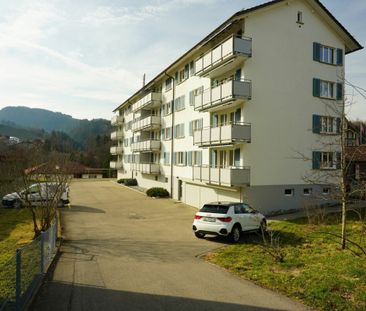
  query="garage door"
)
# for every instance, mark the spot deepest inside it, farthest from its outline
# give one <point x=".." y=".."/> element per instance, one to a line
<point x="196" y="195"/>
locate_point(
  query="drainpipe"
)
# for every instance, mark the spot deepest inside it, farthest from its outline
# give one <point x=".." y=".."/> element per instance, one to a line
<point x="172" y="141"/>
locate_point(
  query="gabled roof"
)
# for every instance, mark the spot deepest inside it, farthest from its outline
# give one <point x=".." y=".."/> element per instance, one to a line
<point x="352" y="45"/>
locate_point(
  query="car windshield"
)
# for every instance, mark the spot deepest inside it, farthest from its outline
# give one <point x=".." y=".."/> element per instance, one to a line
<point x="211" y="208"/>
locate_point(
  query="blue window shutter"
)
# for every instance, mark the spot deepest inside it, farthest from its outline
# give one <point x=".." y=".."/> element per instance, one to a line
<point x="189" y="160"/>
<point x="190" y="128"/>
<point x="238" y="75"/>
<point x="191" y="98"/>
<point x="339" y="159"/>
<point x="174" y="158"/>
<point x="237" y="157"/>
<point x="316" y="87"/>
<point x="316" y="160"/>
<point x="338" y="125"/>
<point x="237" y="115"/>
<point x="316" y="124"/>
<point x="339" y="57"/>
<point x="339" y="91"/>
<point x="316" y="51"/>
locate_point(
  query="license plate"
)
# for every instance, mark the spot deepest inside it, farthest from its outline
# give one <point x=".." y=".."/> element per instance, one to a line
<point x="209" y="219"/>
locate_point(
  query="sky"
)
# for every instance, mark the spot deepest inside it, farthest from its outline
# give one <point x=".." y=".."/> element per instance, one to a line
<point x="85" y="57"/>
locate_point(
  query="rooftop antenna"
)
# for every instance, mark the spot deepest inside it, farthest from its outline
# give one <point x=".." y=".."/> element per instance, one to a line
<point x="143" y="79"/>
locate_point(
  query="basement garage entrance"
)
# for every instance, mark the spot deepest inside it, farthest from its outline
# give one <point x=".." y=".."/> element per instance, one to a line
<point x="197" y="195"/>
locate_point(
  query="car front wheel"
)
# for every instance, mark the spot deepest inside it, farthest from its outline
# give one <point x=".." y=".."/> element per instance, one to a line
<point x="199" y="235"/>
<point x="234" y="236"/>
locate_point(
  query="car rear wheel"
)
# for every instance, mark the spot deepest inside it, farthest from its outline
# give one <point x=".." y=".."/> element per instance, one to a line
<point x="199" y="235"/>
<point x="234" y="235"/>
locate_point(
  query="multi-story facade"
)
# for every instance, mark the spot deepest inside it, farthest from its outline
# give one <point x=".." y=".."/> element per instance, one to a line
<point x="229" y="119"/>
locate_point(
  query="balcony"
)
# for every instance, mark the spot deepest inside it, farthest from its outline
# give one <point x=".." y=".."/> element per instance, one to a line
<point x="222" y="135"/>
<point x="115" y="165"/>
<point x="116" y="150"/>
<point x="224" y="57"/>
<point x="233" y="176"/>
<point x="148" y="123"/>
<point x="146" y="168"/>
<point x="224" y="94"/>
<point x="117" y="135"/>
<point x="117" y="120"/>
<point x="146" y="146"/>
<point x="150" y="100"/>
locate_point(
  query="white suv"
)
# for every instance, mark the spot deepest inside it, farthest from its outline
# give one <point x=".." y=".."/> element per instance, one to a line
<point x="227" y="219"/>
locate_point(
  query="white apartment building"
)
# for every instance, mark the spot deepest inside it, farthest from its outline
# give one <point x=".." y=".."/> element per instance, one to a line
<point x="228" y="120"/>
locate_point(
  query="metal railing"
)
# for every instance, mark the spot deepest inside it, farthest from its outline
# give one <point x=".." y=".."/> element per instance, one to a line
<point x="23" y="273"/>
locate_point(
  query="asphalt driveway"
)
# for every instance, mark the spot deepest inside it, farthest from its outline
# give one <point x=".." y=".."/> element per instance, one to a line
<point x="125" y="251"/>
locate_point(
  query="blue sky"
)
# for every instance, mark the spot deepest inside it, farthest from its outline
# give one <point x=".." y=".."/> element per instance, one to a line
<point x="84" y="57"/>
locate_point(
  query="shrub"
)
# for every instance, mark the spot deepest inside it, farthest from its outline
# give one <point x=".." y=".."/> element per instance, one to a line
<point x="121" y="181"/>
<point x="130" y="182"/>
<point x="157" y="192"/>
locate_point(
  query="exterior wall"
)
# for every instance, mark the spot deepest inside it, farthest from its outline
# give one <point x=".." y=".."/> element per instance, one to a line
<point x="282" y="104"/>
<point x="280" y="113"/>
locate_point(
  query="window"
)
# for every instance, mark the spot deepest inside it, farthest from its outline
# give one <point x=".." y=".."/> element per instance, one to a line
<point x="308" y="191"/>
<point x="327" y="54"/>
<point x="195" y="125"/>
<point x="179" y="158"/>
<point x="328" y="125"/>
<point x="299" y="17"/>
<point x="192" y="94"/>
<point x="166" y="179"/>
<point x="327" y="160"/>
<point x="166" y="109"/>
<point x="326" y="190"/>
<point x="179" y="131"/>
<point x="162" y="134"/>
<point x="289" y="192"/>
<point x="125" y="142"/>
<point x="166" y="158"/>
<point x="326" y="89"/>
<point x="179" y="103"/>
<point x="168" y="84"/>
<point x="191" y="68"/>
<point x="197" y="158"/>
<point x="168" y="133"/>
<point x="184" y="73"/>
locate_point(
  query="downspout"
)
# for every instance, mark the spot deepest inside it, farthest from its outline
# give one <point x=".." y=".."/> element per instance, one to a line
<point x="172" y="141"/>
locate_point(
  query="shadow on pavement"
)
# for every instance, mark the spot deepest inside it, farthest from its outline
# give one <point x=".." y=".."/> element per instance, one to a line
<point x="66" y="296"/>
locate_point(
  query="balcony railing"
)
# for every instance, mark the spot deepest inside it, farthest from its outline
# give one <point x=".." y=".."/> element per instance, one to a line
<point x="232" y="176"/>
<point x="117" y="120"/>
<point x="148" y="101"/>
<point x="148" y="123"/>
<point x="233" y="47"/>
<point x="222" y="135"/>
<point x="228" y="91"/>
<point x="116" y="150"/>
<point x="146" y="168"/>
<point x="116" y="135"/>
<point x="115" y="165"/>
<point x="146" y="146"/>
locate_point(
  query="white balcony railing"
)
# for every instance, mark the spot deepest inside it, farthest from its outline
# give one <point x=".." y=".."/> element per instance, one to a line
<point x="231" y="47"/>
<point x="116" y="150"/>
<point x="117" y="120"/>
<point x="221" y="135"/>
<point x="146" y="146"/>
<point x="146" y="168"/>
<point x="150" y="100"/>
<point x="148" y="123"/>
<point x="232" y="176"/>
<point x="228" y="91"/>
<point x="116" y="135"/>
<point x="115" y="165"/>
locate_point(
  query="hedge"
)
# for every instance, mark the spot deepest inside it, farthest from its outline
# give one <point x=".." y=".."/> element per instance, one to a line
<point x="157" y="192"/>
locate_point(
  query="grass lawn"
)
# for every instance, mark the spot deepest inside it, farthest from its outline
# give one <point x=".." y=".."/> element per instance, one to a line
<point x="16" y="230"/>
<point x="315" y="270"/>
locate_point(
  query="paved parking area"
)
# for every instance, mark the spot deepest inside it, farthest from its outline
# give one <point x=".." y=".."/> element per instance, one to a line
<point x="125" y="251"/>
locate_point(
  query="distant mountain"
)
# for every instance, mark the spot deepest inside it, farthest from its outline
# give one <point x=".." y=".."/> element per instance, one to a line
<point x="24" y="118"/>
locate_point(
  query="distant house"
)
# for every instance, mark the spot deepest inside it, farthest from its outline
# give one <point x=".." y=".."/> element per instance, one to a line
<point x="74" y="169"/>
